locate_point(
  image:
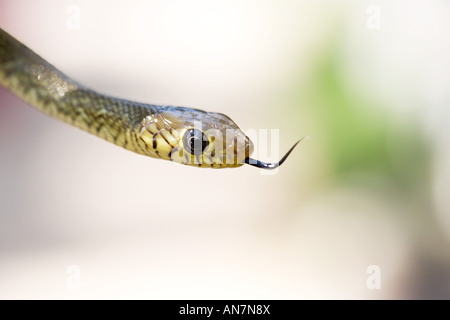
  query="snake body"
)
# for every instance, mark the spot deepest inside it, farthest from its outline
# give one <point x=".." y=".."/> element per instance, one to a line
<point x="183" y="135"/>
<point x="151" y="130"/>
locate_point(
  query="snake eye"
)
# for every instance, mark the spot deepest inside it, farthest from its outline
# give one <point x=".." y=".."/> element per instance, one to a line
<point x="195" y="142"/>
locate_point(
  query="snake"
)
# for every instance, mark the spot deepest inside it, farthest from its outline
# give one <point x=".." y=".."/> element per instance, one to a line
<point x="183" y="135"/>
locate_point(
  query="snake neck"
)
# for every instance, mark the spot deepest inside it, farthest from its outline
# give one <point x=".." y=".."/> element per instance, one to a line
<point x="44" y="87"/>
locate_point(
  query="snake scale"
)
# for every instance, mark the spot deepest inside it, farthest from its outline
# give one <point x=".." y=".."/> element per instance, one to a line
<point x="183" y="135"/>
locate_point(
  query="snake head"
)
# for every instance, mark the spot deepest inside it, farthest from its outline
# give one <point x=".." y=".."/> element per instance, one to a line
<point x="195" y="137"/>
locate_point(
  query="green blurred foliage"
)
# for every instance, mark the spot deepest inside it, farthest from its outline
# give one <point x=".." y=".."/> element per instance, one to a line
<point x="359" y="136"/>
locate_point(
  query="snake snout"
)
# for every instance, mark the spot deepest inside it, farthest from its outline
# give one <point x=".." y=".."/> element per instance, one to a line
<point x="238" y="147"/>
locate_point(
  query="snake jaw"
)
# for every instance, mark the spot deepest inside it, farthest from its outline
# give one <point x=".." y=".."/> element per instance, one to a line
<point x="214" y="156"/>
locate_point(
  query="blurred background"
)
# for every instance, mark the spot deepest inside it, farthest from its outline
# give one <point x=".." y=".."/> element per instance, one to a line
<point x="358" y="211"/>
